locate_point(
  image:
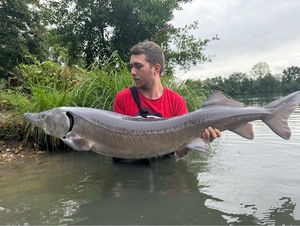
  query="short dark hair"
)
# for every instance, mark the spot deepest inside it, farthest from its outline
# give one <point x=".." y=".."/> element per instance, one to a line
<point x="152" y="51"/>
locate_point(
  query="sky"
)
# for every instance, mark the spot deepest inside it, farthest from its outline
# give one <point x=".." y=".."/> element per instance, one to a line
<point x="250" y="31"/>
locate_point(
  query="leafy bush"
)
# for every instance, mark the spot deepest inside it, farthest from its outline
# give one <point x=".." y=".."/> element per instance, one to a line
<point x="49" y="74"/>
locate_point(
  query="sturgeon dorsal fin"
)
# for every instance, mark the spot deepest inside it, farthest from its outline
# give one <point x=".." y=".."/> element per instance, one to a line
<point x="218" y="99"/>
<point x="245" y="130"/>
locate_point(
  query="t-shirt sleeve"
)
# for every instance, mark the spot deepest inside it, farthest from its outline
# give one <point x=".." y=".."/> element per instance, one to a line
<point x="180" y="106"/>
<point x="118" y="105"/>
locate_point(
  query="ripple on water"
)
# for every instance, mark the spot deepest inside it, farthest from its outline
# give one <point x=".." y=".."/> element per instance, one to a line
<point x="256" y="178"/>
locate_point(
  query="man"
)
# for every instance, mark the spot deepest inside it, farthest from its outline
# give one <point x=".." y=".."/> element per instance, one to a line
<point x="147" y="64"/>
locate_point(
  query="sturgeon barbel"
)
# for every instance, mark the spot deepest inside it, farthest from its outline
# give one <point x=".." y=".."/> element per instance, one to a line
<point x="115" y="135"/>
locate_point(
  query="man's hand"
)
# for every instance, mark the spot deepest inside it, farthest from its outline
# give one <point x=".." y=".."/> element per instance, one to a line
<point x="210" y="134"/>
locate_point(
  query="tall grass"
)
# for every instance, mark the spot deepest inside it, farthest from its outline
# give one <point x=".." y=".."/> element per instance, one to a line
<point x="99" y="85"/>
<point x="43" y="86"/>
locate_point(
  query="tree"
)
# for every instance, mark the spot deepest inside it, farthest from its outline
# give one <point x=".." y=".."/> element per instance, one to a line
<point x="268" y="85"/>
<point x="93" y="29"/>
<point x="81" y="27"/>
<point x="259" y="70"/>
<point x="216" y="83"/>
<point x="183" y="49"/>
<point x="20" y="32"/>
<point x="234" y="83"/>
<point x="291" y="79"/>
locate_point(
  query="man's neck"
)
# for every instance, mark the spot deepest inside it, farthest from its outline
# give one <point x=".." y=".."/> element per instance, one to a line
<point x="154" y="92"/>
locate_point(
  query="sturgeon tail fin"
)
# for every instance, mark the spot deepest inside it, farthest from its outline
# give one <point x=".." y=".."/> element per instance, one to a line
<point x="281" y="110"/>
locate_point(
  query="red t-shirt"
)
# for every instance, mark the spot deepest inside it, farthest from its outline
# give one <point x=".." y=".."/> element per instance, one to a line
<point x="170" y="104"/>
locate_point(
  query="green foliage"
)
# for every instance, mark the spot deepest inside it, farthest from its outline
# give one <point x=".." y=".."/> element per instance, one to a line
<point x="260" y="69"/>
<point x="11" y="126"/>
<point x="99" y="85"/>
<point x="41" y="98"/>
<point x="44" y="98"/>
<point x="268" y="85"/>
<point x="84" y="32"/>
<point x="11" y="123"/>
<point x="49" y="74"/>
<point x="191" y="91"/>
<point x="91" y="30"/>
<point x="20" y="33"/>
<point x="240" y="84"/>
<point x="16" y="101"/>
<point x="44" y="86"/>
<point x="183" y="49"/>
<point x="291" y="79"/>
<point x="56" y="52"/>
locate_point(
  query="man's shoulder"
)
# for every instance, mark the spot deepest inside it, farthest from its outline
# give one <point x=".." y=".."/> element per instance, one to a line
<point x="173" y="93"/>
<point x="123" y="93"/>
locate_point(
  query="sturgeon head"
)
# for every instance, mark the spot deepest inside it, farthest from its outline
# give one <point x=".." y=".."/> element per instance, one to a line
<point x="55" y="122"/>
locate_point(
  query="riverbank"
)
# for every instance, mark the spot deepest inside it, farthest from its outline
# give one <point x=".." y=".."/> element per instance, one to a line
<point x="13" y="151"/>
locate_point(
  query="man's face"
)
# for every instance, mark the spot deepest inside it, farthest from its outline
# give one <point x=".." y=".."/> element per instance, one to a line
<point x="143" y="73"/>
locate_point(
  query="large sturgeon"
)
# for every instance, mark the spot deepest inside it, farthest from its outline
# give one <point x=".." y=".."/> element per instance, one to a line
<point x="121" y="136"/>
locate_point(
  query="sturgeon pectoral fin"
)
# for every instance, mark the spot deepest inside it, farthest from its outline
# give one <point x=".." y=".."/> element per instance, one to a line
<point x="245" y="130"/>
<point x="199" y="145"/>
<point x="77" y="143"/>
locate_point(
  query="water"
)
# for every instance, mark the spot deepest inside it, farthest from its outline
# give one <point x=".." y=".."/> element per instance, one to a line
<point x="240" y="182"/>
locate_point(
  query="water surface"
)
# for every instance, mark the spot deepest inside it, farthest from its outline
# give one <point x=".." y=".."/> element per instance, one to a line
<point x="239" y="182"/>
